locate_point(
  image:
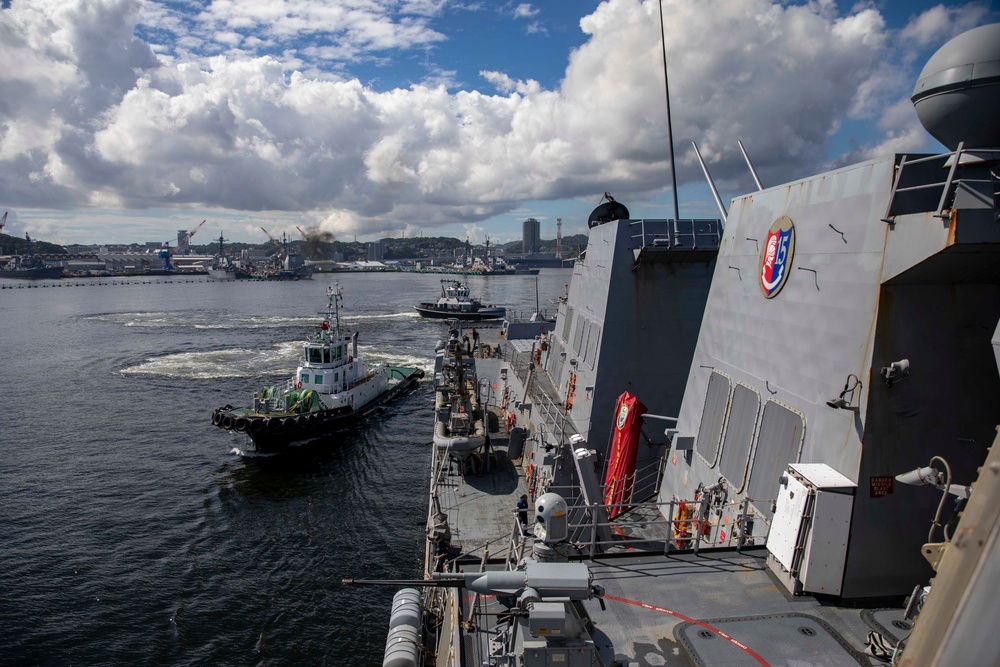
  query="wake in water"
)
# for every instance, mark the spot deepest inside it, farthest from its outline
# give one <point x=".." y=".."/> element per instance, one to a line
<point x="203" y="320"/>
<point x="277" y="361"/>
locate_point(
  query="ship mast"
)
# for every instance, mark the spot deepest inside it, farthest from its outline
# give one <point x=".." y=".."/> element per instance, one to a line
<point x="670" y="130"/>
<point x="334" y="297"/>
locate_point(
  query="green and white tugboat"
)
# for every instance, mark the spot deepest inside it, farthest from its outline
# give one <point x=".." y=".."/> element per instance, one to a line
<point x="332" y="387"/>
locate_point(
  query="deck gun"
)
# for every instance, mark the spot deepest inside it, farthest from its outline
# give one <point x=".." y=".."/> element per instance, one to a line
<point x="545" y="616"/>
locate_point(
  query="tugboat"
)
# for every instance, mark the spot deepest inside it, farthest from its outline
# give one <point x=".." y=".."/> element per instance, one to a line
<point x="455" y="303"/>
<point x="332" y="386"/>
<point x="459" y="427"/>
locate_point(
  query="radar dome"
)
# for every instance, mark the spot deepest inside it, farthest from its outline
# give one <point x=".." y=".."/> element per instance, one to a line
<point x="957" y="97"/>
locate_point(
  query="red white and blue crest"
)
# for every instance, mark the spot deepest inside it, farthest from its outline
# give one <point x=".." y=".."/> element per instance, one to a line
<point x="776" y="256"/>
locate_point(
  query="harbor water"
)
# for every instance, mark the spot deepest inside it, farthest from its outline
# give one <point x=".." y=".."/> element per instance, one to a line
<point x="130" y="533"/>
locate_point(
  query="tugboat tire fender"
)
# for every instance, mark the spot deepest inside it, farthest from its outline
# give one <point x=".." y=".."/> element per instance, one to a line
<point x="241" y="424"/>
<point x="227" y="422"/>
<point x="256" y="425"/>
<point x="272" y="424"/>
<point x="216" y="418"/>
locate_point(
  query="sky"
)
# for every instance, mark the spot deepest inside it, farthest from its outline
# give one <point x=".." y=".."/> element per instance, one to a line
<point x="123" y="121"/>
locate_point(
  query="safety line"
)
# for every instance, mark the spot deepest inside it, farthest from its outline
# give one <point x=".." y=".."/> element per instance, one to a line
<point x="622" y="535"/>
<point x="743" y="647"/>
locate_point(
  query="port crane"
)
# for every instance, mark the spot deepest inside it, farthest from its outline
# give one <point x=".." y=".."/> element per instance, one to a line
<point x="3" y="221"/>
<point x="168" y="252"/>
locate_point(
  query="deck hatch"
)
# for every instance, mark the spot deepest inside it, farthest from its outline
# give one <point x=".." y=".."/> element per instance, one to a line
<point x="739" y="436"/>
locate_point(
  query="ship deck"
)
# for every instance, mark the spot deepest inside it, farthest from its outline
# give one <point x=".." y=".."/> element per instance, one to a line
<point x="715" y="607"/>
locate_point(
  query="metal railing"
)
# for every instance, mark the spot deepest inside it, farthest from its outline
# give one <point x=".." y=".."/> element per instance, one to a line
<point x="666" y="526"/>
<point x="932" y="183"/>
<point x="686" y="234"/>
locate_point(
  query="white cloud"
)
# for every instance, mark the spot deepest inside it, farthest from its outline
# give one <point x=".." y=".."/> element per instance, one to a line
<point x="89" y="116"/>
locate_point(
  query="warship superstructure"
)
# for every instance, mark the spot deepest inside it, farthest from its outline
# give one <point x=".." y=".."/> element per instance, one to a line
<point x="785" y="380"/>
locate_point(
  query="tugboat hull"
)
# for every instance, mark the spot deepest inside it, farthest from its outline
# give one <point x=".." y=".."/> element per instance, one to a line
<point x="272" y="433"/>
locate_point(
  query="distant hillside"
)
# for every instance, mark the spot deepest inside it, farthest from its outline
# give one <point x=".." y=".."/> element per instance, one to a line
<point x="430" y="247"/>
<point x="16" y="245"/>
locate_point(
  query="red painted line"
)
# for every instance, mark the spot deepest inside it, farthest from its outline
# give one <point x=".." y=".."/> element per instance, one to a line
<point x="743" y="647"/>
<point x="622" y="535"/>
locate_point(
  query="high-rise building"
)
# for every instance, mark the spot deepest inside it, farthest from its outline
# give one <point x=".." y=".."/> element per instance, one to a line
<point x="531" y="240"/>
<point x="376" y="251"/>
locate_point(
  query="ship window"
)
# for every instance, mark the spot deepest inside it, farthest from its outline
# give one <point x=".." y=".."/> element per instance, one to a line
<point x="578" y="335"/>
<point x="710" y="430"/>
<point x="304" y="378"/>
<point x="590" y="356"/>
<point x="739" y="436"/>
<point x="326" y="356"/>
<point x="568" y="323"/>
<point x="778" y="444"/>
<point x="319" y="379"/>
<point x="314" y="355"/>
<point x="336" y="376"/>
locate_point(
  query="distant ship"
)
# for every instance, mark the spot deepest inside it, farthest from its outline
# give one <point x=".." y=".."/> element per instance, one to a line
<point x="456" y="303"/>
<point x="332" y="386"/>
<point x="30" y="266"/>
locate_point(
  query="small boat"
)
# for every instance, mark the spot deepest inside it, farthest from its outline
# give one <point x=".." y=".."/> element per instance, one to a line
<point x="456" y="304"/>
<point x="332" y="386"/>
<point x="459" y="426"/>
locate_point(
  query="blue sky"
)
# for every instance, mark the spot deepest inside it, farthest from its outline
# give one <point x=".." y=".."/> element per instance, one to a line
<point x="126" y="120"/>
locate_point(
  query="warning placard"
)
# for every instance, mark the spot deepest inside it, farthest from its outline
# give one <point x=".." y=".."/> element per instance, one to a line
<point x="880" y="485"/>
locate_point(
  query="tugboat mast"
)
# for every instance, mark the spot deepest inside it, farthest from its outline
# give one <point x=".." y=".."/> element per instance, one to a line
<point x="334" y="296"/>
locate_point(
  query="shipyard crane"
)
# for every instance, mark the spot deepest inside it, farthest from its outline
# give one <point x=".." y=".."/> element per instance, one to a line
<point x="168" y="252"/>
<point x="281" y="245"/>
<point x="3" y="221"/>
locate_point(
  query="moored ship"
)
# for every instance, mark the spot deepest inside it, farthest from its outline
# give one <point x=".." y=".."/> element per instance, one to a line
<point x="779" y="383"/>
<point x="28" y="266"/>
<point x="332" y="386"/>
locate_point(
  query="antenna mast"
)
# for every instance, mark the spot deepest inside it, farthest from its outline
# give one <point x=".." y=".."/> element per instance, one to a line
<point x="670" y="131"/>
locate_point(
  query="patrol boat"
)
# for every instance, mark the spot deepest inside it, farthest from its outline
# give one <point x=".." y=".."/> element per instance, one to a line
<point x="763" y="439"/>
<point x="332" y="386"/>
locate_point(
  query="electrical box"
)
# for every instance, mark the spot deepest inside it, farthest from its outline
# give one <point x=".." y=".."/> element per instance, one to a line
<point x="807" y="543"/>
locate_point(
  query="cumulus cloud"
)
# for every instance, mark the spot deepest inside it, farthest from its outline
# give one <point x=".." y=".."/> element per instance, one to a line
<point x="142" y="105"/>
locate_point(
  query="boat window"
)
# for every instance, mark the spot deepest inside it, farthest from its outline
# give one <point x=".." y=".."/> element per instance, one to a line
<point x="712" y="417"/>
<point x="336" y="376"/>
<point x="739" y="436"/>
<point x="304" y="378"/>
<point x="326" y="356"/>
<point x="319" y="379"/>
<point x="315" y="355"/>
<point x="779" y="443"/>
